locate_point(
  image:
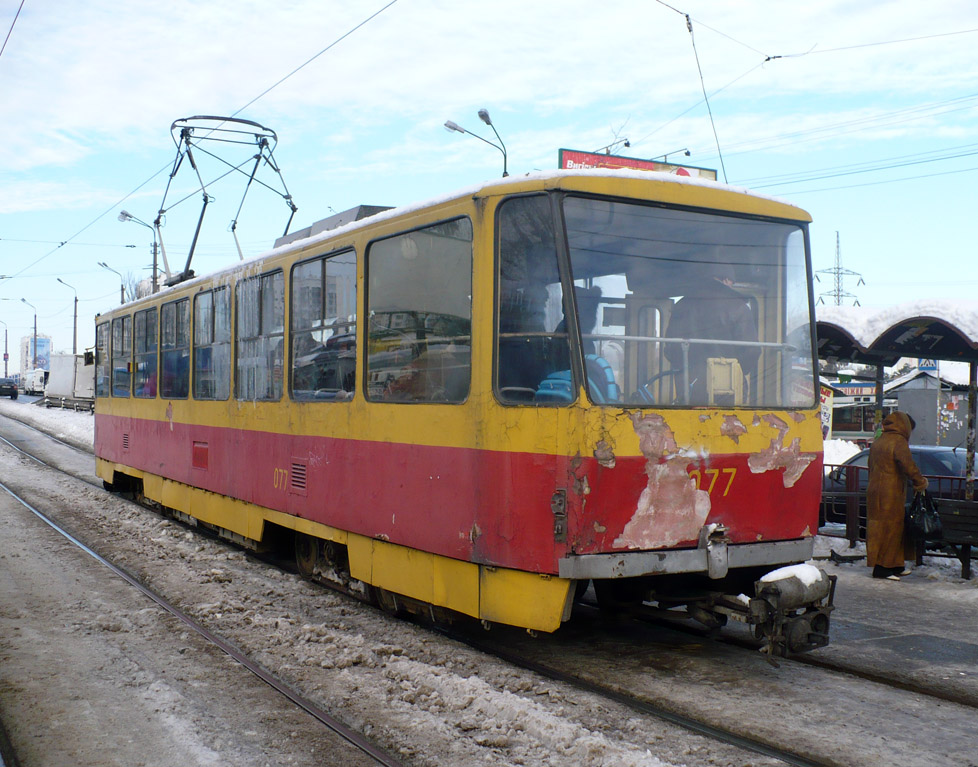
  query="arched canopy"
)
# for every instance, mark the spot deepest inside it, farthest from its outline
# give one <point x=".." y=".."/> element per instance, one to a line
<point x="937" y="329"/>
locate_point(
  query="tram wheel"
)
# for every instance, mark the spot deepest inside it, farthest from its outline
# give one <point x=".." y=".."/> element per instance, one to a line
<point x="308" y="552"/>
<point x="388" y="602"/>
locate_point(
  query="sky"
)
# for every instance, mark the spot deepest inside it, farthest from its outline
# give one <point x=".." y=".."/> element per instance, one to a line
<point x="863" y="114"/>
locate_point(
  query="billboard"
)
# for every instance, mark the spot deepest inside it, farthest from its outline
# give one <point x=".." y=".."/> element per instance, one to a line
<point x="571" y="159"/>
<point x="43" y="352"/>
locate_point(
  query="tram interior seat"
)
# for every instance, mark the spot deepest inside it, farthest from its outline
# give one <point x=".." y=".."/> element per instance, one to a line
<point x="602" y="387"/>
<point x="724" y="381"/>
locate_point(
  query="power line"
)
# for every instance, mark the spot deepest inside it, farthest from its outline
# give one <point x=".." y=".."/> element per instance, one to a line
<point x="167" y="166"/>
<point x="867" y="167"/>
<point x="878" y="183"/>
<point x="892" y="42"/>
<point x="883" y="119"/>
<point x="11" y="30"/>
<point x="337" y="41"/>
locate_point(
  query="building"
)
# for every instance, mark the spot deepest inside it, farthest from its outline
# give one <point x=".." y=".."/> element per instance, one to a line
<point x="27" y="353"/>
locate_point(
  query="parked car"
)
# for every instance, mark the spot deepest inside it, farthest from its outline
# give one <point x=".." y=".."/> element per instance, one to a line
<point x="8" y="388"/>
<point x="845" y="484"/>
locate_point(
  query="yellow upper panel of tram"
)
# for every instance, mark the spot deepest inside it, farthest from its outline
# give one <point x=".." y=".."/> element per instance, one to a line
<point x="481" y="422"/>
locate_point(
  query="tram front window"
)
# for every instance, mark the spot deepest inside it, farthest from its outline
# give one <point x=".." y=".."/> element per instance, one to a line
<point x="680" y="308"/>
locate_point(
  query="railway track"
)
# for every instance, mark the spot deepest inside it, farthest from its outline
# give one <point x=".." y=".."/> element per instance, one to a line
<point x="356" y="739"/>
<point x="536" y="655"/>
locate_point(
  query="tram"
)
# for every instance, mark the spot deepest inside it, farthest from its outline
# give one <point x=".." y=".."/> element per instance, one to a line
<point x="484" y="403"/>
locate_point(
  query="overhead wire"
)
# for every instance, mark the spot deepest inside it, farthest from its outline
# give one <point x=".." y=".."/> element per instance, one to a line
<point x="855" y="125"/>
<point x="234" y="114"/>
<point x="11" y="30"/>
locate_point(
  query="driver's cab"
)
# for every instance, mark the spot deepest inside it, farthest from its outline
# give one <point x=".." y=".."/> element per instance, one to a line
<point x="647" y="306"/>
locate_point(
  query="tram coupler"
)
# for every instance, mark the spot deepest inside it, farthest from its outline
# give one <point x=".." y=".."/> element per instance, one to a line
<point x="790" y="610"/>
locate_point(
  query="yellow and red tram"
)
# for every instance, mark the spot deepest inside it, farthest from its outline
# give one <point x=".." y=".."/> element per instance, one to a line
<point x="484" y="402"/>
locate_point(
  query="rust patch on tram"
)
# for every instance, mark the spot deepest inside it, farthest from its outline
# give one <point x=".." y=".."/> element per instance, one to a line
<point x="604" y="455"/>
<point x="732" y="427"/>
<point x="780" y="456"/>
<point x="670" y="509"/>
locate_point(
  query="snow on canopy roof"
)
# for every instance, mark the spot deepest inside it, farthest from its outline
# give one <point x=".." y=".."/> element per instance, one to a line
<point x="943" y="329"/>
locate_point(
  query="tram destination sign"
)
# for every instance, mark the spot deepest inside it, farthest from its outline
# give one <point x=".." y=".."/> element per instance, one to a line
<point x="572" y="159"/>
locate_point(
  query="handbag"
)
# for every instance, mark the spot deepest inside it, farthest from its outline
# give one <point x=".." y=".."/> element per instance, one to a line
<point x="923" y="523"/>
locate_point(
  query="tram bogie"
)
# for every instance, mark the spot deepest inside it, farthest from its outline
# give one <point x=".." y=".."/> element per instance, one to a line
<point x="483" y="404"/>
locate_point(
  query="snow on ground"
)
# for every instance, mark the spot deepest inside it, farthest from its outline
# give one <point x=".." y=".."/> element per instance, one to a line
<point x="78" y="429"/>
<point x="70" y="426"/>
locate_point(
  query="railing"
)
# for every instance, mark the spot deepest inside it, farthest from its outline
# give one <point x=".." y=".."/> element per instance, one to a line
<point x="844" y="504"/>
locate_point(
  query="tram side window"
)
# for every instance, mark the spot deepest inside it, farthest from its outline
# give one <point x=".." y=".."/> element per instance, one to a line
<point x="121" y="355"/>
<point x="103" y="365"/>
<point x="212" y="344"/>
<point x="176" y="349"/>
<point x="260" y="340"/>
<point x="532" y="354"/>
<point x="419" y="305"/>
<point x="144" y="376"/>
<point x="323" y="328"/>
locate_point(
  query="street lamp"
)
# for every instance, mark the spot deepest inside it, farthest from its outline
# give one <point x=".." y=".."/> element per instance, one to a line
<point x="484" y="116"/>
<point x="74" y="334"/>
<point x="125" y="215"/>
<point x="122" y="283"/>
<point x="5" y="355"/>
<point x="24" y="300"/>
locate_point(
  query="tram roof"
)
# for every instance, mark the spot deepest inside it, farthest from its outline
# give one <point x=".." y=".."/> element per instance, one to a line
<point x="942" y="329"/>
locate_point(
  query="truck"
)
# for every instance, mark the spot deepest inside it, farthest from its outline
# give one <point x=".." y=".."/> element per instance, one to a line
<point x="35" y="381"/>
<point x="71" y="382"/>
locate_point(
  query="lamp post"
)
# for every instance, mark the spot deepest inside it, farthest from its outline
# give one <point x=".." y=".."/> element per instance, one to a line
<point x="125" y="215"/>
<point x="484" y="116"/>
<point x="74" y="333"/>
<point x="24" y="300"/>
<point x="122" y="283"/>
<point x="5" y="355"/>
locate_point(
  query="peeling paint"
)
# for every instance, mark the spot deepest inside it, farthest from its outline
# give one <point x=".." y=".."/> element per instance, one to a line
<point x="670" y="509"/>
<point x="604" y="455"/>
<point x="474" y="533"/>
<point x="705" y="417"/>
<point x="797" y="417"/>
<point x="732" y="427"/>
<point x="599" y="528"/>
<point x="778" y="456"/>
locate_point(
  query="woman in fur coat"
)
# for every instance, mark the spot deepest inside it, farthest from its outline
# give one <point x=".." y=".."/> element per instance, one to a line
<point x="890" y="465"/>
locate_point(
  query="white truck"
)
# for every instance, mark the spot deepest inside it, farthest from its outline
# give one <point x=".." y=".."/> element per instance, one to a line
<point x="71" y="382"/>
<point x="35" y="381"/>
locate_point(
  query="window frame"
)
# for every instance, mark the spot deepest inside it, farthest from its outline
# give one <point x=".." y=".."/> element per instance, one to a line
<point x="103" y="384"/>
<point x="365" y="376"/>
<point x="228" y="382"/>
<point x="123" y="321"/>
<point x="238" y="339"/>
<point x="163" y="352"/>
<point x="138" y="355"/>
<point x="323" y="259"/>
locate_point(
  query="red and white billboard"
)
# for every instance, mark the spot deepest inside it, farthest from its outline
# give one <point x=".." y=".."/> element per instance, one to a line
<point x="571" y="159"/>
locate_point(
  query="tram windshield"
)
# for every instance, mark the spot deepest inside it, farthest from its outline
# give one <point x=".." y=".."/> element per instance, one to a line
<point x="672" y="307"/>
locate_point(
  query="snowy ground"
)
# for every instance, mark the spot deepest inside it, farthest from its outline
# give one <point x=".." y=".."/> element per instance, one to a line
<point x="439" y="704"/>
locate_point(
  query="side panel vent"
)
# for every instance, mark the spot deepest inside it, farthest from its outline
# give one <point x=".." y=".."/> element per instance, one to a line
<point x="297" y="478"/>
<point x="125" y="441"/>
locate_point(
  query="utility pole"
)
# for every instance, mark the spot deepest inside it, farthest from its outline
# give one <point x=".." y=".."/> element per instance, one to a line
<point x="839" y="275"/>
